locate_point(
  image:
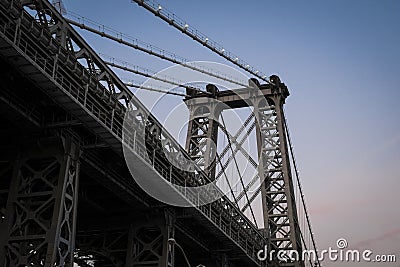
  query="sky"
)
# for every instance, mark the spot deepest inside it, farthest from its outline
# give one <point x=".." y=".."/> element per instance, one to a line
<point x="340" y="61"/>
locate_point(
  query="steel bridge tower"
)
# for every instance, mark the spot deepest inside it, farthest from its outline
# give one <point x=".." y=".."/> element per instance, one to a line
<point x="66" y="194"/>
<point x="281" y="224"/>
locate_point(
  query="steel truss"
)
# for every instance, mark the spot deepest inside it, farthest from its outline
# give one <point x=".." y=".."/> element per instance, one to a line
<point x="202" y="133"/>
<point x="143" y="242"/>
<point x="280" y="213"/>
<point x="57" y="60"/>
<point x="104" y="247"/>
<point x="274" y="171"/>
<point x="149" y="242"/>
<point x="39" y="224"/>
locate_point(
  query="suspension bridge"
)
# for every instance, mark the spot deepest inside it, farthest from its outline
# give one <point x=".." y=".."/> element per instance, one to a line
<point x="67" y="195"/>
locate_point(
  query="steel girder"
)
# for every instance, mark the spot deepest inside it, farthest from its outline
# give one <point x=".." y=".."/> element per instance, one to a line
<point x="142" y="242"/>
<point x="104" y="247"/>
<point x="202" y="134"/>
<point x="279" y="207"/>
<point x="39" y="224"/>
<point x="149" y="242"/>
<point x="58" y="61"/>
<point x="280" y="213"/>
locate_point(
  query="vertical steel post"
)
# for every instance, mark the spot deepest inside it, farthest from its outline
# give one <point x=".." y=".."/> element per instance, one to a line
<point x="202" y="134"/>
<point x="281" y="224"/>
<point x="148" y="241"/>
<point x="279" y="206"/>
<point x="40" y="219"/>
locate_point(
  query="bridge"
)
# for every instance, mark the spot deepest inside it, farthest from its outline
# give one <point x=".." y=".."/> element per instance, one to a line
<point x="76" y="144"/>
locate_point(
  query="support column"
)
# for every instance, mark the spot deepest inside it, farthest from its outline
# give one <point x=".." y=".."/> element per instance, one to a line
<point x="102" y="246"/>
<point x="281" y="226"/>
<point x="279" y="206"/>
<point x="40" y="218"/>
<point x="148" y="242"/>
<point x="201" y="140"/>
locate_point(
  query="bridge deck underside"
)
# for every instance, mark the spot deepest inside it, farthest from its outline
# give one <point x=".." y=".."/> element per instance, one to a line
<point x="108" y="196"/>
<point x="107" y="188"/>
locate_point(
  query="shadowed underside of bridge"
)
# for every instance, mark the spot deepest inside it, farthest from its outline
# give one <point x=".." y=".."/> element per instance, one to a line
<point x="66" y="194"/>
<point x="65" y="189"/>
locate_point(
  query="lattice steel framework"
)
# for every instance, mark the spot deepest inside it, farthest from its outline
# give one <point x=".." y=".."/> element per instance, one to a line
<point x="274" y="171"/>
<point x="149" y="246"/>
<point x="143" y="242"/>
<point x="202" y="133"/>
<point x="104" y="247"/>
<point x="280" y="213"/>
<point x="56" y="59"/>
<point x="39" y="224"/>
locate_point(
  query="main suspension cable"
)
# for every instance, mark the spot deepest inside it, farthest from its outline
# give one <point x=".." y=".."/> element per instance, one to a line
<point x="150" y="88"/>
<point x="135" y="43"/>
<point x="199" y="37"/>
<point x="126" y="66"/>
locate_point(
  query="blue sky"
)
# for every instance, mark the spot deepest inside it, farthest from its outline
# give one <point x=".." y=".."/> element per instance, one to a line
<point x="341" y="62"/>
